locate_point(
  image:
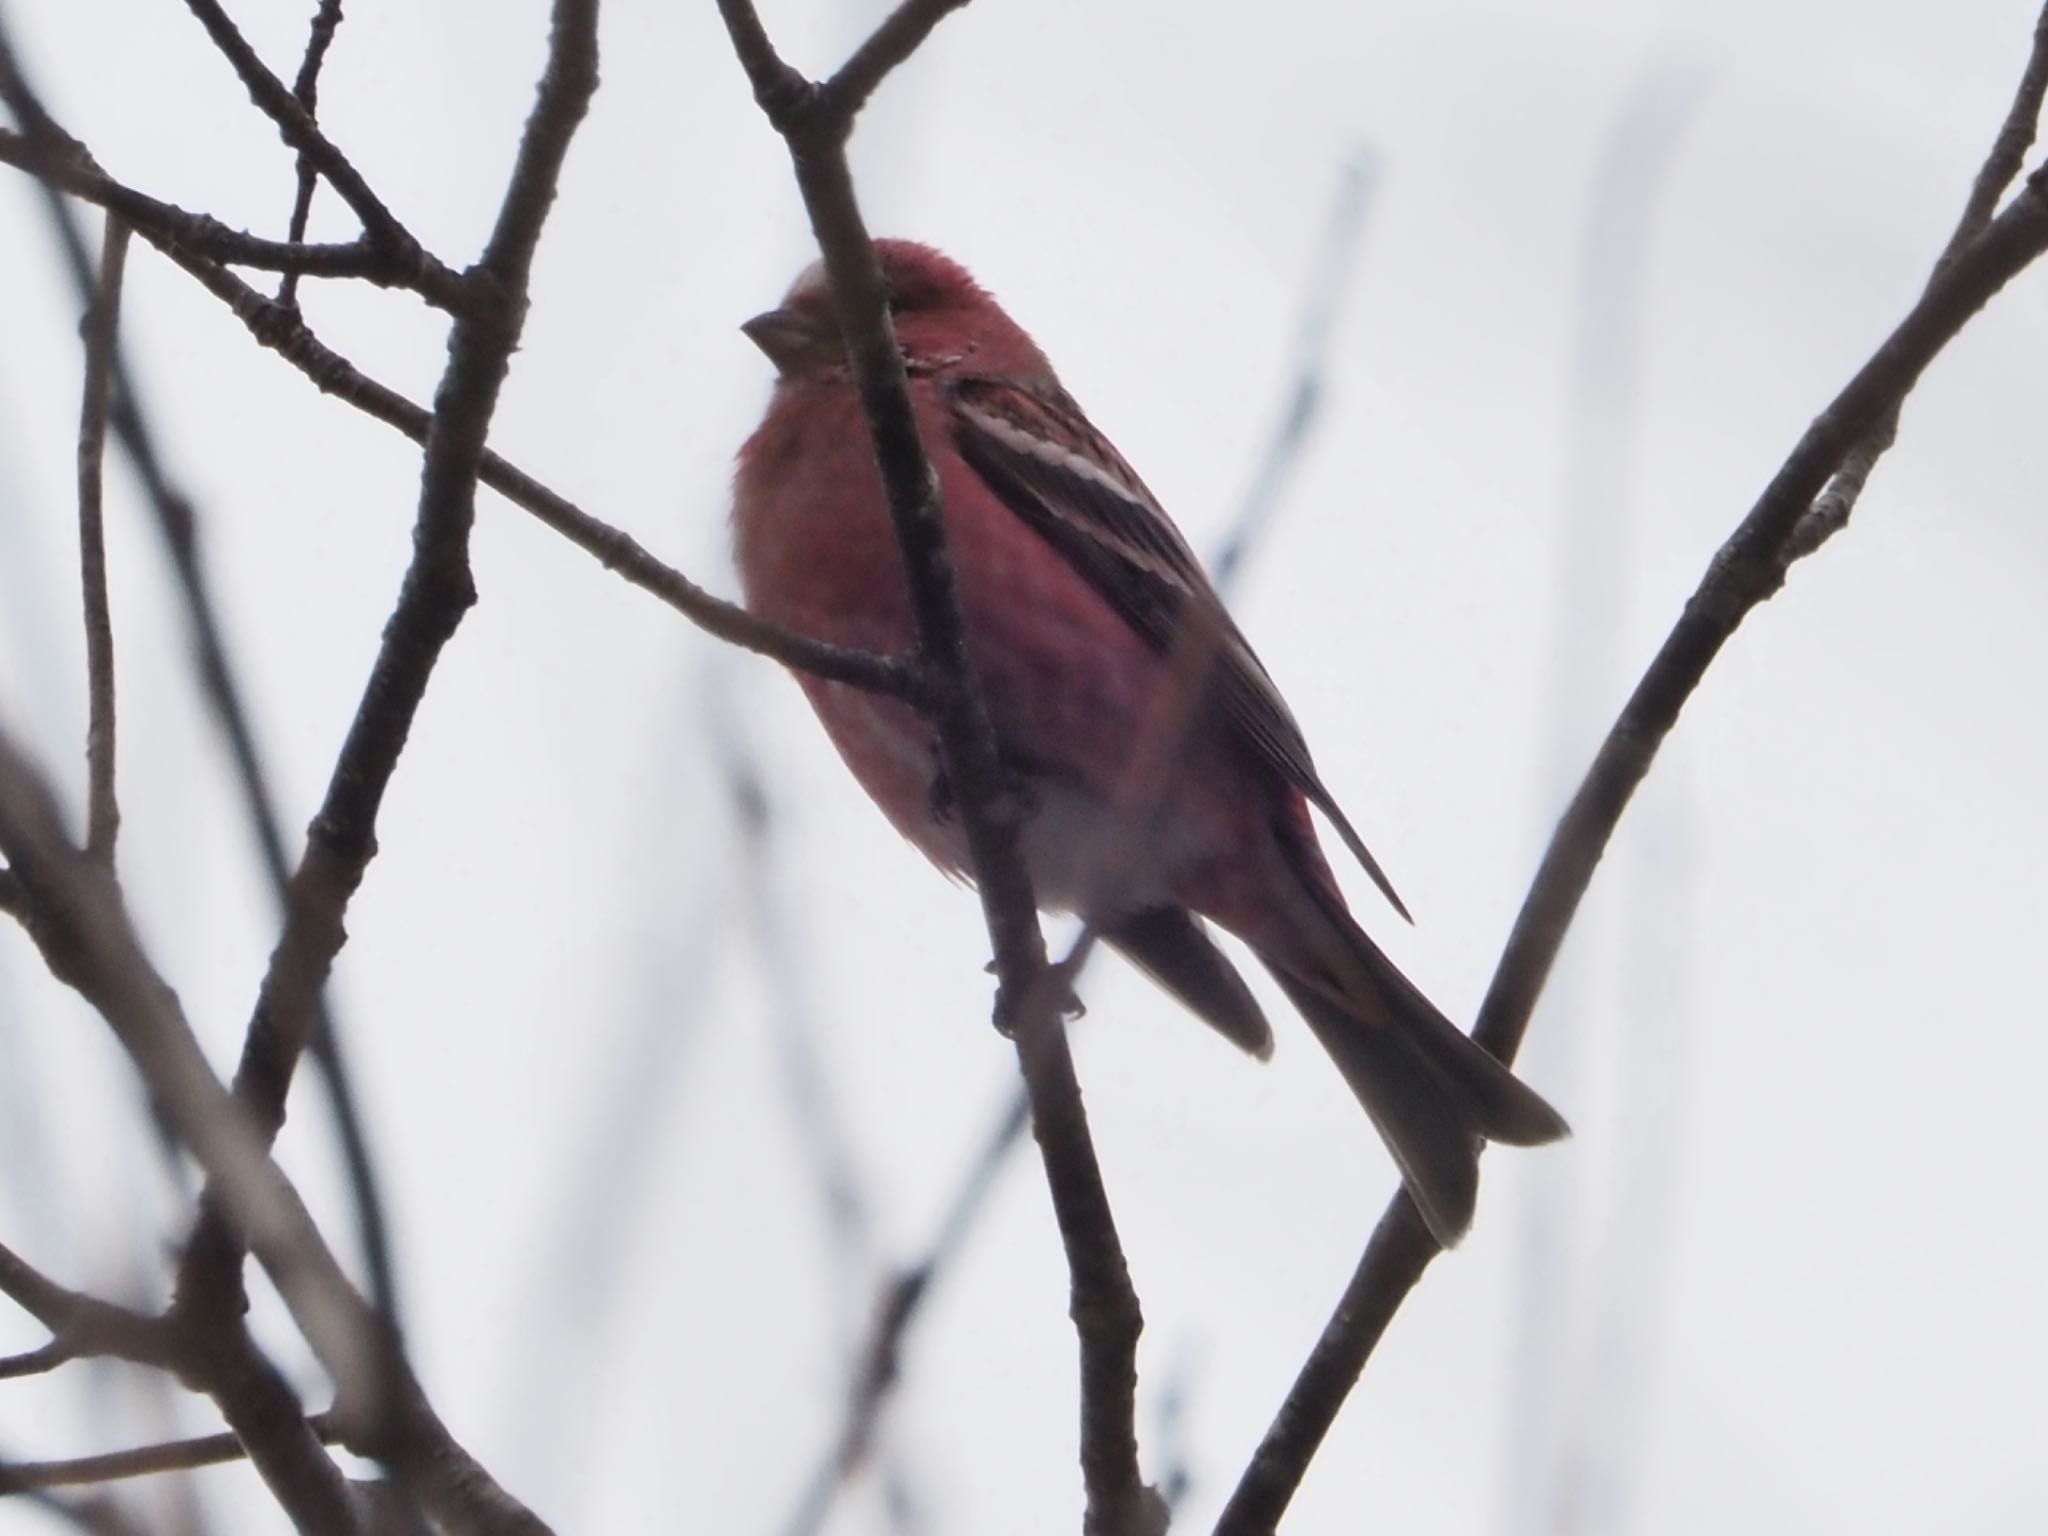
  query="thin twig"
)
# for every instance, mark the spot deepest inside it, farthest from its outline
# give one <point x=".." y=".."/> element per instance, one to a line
<point x="103" y="808"/>
<point x="64" y="163"/>
<point x="256" y="1401"/>
<point x="901" y="34"/>
<point x="306" y="91"/>
<point x="275" y="100"/>
<point x="82" y="1326"/>
<point x="284" y="333"/>
<point x="36" y="1362"/>
<point x="200" y="245"/>
<point x="1832" y="508"/>
<point x="1746" y="571"/>
<point x="2008" y="154"/>
<point x="141" y="1461"/>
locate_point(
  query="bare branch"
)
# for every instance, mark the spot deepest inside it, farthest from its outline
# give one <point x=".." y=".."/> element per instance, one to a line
<point x="282" y="331"/>
<point x="2008" y="153"/>
<point x="141" y="1461"/>
<point x="900" y="1300"/>
<point x="64" y="163"/>
<point x="900" y="35"/>
<point x="436" y="592"/>
<point x="81" y="1326"/>
<point x="275" y="101"/>
<point x="616" y="550"/>
<point x="200" y="244"/>
<point x="563" y="97"/>
<point x="775" y="83"/>
<point x="266" y="1416"/>
<point x="1832" y="508"/>
<point x="252" y="1397"/>
<point x="255" y="1400"/>
<point x="1746" y="571"/>
<point x="83" y="931"/>
<point x="79" y="922"/>
<point x="34" y="1362"/>
<point x="103" y="809"/>
<point x="306" y="91"/>
<point x="1104" y="1304"/>
<point x="81" y="926"/>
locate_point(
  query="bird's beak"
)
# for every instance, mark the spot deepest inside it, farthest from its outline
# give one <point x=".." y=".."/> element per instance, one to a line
<point x="783" y="335"/>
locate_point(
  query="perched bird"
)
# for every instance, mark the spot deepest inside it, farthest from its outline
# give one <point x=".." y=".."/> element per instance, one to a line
<point x="1074" y="584"/>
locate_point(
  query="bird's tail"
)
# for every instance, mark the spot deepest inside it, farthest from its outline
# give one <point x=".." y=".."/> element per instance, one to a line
<point x="1434" y="1094"/>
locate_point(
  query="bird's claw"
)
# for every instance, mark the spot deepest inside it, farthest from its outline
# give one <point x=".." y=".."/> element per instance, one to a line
<point x="1070" y="1005"/>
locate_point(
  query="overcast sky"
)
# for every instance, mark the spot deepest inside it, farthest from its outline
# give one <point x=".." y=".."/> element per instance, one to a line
<point x="1789" y="1274"/>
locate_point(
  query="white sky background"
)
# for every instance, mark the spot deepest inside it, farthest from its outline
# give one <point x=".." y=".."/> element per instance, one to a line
<point x="1823" y="917"/>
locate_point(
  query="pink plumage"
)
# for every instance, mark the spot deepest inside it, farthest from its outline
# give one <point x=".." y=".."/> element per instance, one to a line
<point x="1074" y="585"/>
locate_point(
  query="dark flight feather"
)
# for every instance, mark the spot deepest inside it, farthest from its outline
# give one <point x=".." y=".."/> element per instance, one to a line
<point x="1096" y="513"/>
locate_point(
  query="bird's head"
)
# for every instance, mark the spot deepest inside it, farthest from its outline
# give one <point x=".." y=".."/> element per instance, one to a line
<point x="942" y="318"/>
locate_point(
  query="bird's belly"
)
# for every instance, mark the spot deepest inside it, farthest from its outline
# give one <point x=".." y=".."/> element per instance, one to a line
<point x="1099" y="859"/>
<point x="1087" y="851"/>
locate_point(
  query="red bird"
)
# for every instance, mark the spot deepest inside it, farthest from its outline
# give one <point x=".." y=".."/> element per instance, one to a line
<point x="1074" y="584"/>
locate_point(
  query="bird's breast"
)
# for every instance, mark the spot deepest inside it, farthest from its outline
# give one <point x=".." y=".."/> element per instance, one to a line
<point x="1071" y="688"/>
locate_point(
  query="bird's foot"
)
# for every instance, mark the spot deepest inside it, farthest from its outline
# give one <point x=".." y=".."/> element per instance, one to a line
<point x="1054" y="977"/>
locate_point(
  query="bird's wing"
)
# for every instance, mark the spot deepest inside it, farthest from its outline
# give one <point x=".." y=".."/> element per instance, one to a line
<point x="1048" y="465"/>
